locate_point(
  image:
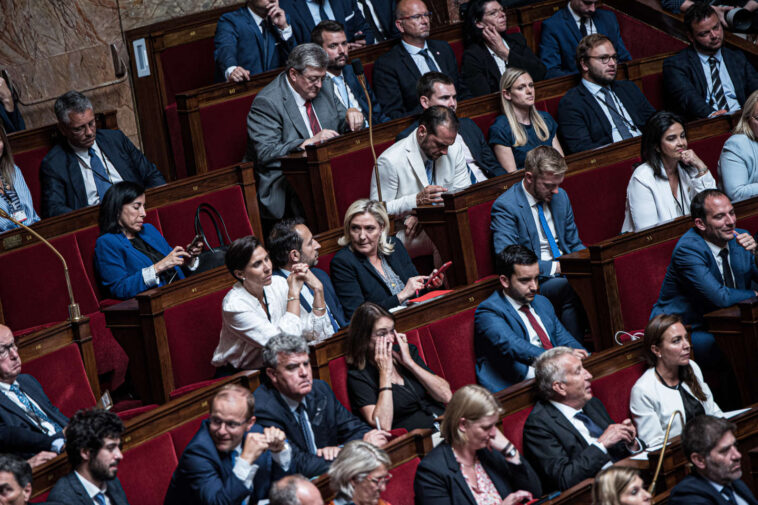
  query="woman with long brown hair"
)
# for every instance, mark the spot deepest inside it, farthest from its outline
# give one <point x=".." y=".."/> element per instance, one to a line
<point x="15" y="198"/>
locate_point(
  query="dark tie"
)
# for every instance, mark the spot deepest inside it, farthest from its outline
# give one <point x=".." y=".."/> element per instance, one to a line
<point x="594" y="429"/>
<point x="728" y="280"/>
<point x="305" y="428"/>
<point x="36" y="412"/>
<point x="728" y="493"/>
<point x="265" y="36"/>
<point x="429" y="166"/>
<point x="718" y="90"/>
<point x="370" y="20"/>
<point x="583" y="26"/>
<point x="312" y="119"/>
<point x="322" y="11"/>
<point x="618" y="119"/>
<point x="429" y="61"/>
<point x="554" y="250"/>
<point x="102" y="182"/>
<point x="100" y="498"/>
<point x="546" y="344"/>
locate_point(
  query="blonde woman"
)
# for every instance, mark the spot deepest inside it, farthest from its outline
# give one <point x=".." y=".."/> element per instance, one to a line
<point x="521" y="127"/>
<point x="619" y="485"/>
<point x="738" y="165"/>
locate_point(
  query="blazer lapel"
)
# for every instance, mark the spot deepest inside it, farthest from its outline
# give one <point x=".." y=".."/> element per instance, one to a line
<point x="559" y="217"/>
<point x="7" y="404"/>
<point x="591" y="104"/>
<point x="75" y="176"/>
<point x="455" y="470"/>
<point x="560" y="420"/>
<point x="568" y="19"/>
<point x="699" y="73"/>
<point x="413" y="152"/>
<point x="407" y="60"/>
<point x="736" y="264"/>
<point x="301" y="7"/>
<point x="290" y="105"/>
<point x="259" y="41"/>
<point x="513" y="314"/>
<point x="527" y="217"/>
<point x="367" y="265"/>
<point x="324" y="110"/>
<point x="735" y="74"/>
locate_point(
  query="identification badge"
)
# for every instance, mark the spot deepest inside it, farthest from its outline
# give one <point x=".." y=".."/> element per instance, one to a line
<point x="19" y="216"/>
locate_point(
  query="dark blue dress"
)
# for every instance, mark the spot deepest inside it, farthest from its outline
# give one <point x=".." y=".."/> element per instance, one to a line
<point x="501" y="134"/>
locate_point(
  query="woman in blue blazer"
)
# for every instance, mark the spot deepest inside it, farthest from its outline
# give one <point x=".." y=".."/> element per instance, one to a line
<point x="738" y="164"/>
<point x="131" y="256"/>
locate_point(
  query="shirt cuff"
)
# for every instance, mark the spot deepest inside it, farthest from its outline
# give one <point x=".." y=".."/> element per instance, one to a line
<point x="57" y="445"/>
<point x="286" y="33"/>
<point x="229" y="71"/>
<point x="600" y="446"/>
<point x="150" y="276"/>
<point x="194" y="263"/>
<point x="284" y="457"/>
<point x="553" y="268"/>
<point x="245" y="472"/>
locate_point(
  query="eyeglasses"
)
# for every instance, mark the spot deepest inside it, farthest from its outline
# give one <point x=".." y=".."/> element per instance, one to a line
<point x="230" y="425"/>
<point x="6" y="349"/>
<point x="604" y="59"/>
<point x="379" y="481"/>
<point x="495" y="12"/>
<point x="417" y="17"/>
<point x="313" y="79"/>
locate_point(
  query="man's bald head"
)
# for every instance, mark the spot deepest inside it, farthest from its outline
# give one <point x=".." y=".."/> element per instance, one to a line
<point x="294" y="490"/>
<point x="10" y="362"/>
<point x="413" y="21"/>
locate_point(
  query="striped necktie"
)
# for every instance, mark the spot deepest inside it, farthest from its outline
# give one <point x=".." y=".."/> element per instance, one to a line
<point x="718" y="97"/>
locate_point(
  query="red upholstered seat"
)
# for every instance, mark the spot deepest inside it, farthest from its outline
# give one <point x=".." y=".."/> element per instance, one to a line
<point x="652" y="86"/>
<point x="748" y="223"/>
<point x="513" y="427"/>
<point x="146" y="470"/>
<point x="182" y="434"/>
<point x="324" y="260"/>
<point x="67" y="387"/>
<point x="709" y="150"/>
<point x="614" y="390"/>
<point x="642" y="40"/>
<point x="187" y="66"/>
<point x="481" y="237"/>
<point x="457" y="47"/>
<point x="368" y="71"/>
<point x="449" y="348"/>
<point x="400" y="489"/>
<point x="351" y="174"/>
<point x="175" y="137"/>
<point x="551" y="106"/>
<point x="28" y="162"/>
<point x="41" y="498"/>
<point x="537" y="30"/>
<point x="485" y="122"/>
<point x="224" y="131"/>
<point x="109" y="355"/>
<point x="338" y="378"/>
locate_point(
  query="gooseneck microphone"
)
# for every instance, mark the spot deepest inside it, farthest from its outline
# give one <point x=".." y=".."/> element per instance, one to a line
<point x="358" y="70"/>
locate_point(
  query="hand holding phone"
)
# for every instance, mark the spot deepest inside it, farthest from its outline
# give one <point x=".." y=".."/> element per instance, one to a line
<point x="437" y="274"/>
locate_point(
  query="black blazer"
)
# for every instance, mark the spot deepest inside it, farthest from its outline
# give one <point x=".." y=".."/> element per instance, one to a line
<point x="376" y="109"/>
<point x="12" y="121"/>
<point x="476" y="143"/>
<point x="482" y="75"/>
<point x="356" y="280"/>
<point x="70" y="491"/>
<point x="61" y="175"/>
<point x="396" y="75"/>
<point x="331" y="423"/>
<point x="559" y="452"/>
<point x="695" y="490"/>
<point x="439" y="480"/>
<point x="582" y="123"/>
<point x="686" y="86"/>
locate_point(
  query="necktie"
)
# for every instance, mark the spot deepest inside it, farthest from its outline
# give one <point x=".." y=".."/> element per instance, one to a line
<point x="370" y="20"/>
<point x="546" y="344"/>
<point x="618" y="119"/>
<point x="583" y="26"/>
<point x="305" y="428"/>
<point x="554" y="250"/>
<point x="728" y="493"/>
<point x="265" y="36"/>
<point x="102" y="182"/>
<point x="322" y="11"/>
<point x="471" y="175"/>
<point x="33" y="409"/>
<point x="429" y="61"/>
<point x="339" y="81"/>
<point x="594" y="429"/>
<point x="429" y="166"/>
<point x="312" y="119"/>
<point x="728" y="280"/>
<point x="718" y="91"/>
<point x="100" y="498"/>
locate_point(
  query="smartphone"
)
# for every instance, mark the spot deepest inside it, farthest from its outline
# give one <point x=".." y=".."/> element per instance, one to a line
<point x="195" y="241"/>
<point x="440" y="271"/>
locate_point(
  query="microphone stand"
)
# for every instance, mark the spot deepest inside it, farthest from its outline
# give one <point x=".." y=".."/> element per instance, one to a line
<point x="74" y="313"/>
<point x="651" y="490"/>
<point x="358" y="69"/>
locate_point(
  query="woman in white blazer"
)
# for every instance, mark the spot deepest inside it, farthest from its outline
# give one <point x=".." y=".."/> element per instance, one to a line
<point x="662" y="188"/>
<point x="738" y="164"/>
<point x="672" y="382"/>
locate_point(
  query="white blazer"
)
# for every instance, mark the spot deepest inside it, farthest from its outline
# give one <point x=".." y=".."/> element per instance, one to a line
<point x="402" y="174"/>
<point x="649" y="200"/>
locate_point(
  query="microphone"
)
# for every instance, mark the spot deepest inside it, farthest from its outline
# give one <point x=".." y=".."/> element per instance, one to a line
<point x="358" y="69"/>
<point x="74" y="313"/>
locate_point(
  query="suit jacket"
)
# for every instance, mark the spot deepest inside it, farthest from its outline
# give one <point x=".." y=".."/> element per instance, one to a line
<point x="513" y="223"/>
<point x="693" y="285"/>
<point x="275" y="128"/>
<point x="385" y="11"/>
<point x="501" y="340"/>
<point x="345" y="11"/>
<point x="18" y="433"/>
<point x="239" y="42"/>
<point x="474" y="139"/>
<point x="560" y="36"/>
<point x="61" y="175"/>
<point x="402" y="174"/>
<point x="559" y="452"/>
<point x="119" y="264"/>
<point x="331" y="423"/>
<point x="396" y="75"/>
<point x="482" y="75"/>
<point x="205" y="477"/>
<point x="439" y="480"/>
<point x="695" y="490"/>
<point x="332" y="301"/>
<point x="377" y="116"/>
<point x="357" y="281"/>
<point x="12" y="121"/>
<point x="584" y="125"/>
<point x="686" y="86"/>
<point x="69" y="490"/>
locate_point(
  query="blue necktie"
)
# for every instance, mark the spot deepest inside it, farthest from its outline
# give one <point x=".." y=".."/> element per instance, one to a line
<point x="429" y="61"/>
<point x="548" y="234"/>
<point x="429" y="166"/>
<point x="594" y="429"/>
<point x="305" y="428"/>
<point x="342" y="88"/>
<point x="266" y="41"/>
<point x="36" y="411"/>
<point x="728" y="493"/>
<point x="100" y="498"/>
<point x="618" y="120"/>
<point x="471" y="175"/>
<point x="102" y="182"/>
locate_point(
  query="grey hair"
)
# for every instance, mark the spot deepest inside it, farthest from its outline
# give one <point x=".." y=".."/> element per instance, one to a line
<point x="355" y="461"/>
<point x="71" y="101"/>
<point x="307" y="55"/>
<point x="547" y="370"/>
<point x="17" y="466"/>
<point x="287" y="344"/>
<point x="284" y="491"/>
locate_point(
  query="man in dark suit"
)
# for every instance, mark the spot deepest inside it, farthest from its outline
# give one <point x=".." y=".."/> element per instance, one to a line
<point x="569" y="435"/>
<point x="306" y="14"/>
<point x="380" y="16"/>
<point x="291" y="241"/>
<point x="230" y="459"/>
<point x="515" y="325"/>
<point x="600" y="110"/>
<point x="10" y="115"/>
<point x="316" y="424"/>
<point x="436" y="88"/>
<point x="330" y="35"/>
<point x="397" y="71"/>
<point x="30" y="425"/>
<point x="537" y="214"/>
<point x="81" y="168"/>
<point x="295" y="490"/>
<point x="251" y="40"/>
<point x="563" y="30"/>
<point x="710" y="445"/>
<point x="15" y="481"/>
<point x="94" y="452"/>
<point x="707" y="79"/>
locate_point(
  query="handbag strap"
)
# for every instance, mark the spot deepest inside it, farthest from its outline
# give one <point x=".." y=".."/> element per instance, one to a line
<point x="212" y="213"/>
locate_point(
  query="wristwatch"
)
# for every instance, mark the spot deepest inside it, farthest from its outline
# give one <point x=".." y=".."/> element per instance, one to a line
<point x="512" y="452"/>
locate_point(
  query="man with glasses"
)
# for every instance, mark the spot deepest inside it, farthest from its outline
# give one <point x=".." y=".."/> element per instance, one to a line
<point x="562" y="32"/>
<point x="295" y="110"/>
<point x="397" y="72"/>
<point x="600" y="110"/>
<point x="30" y="425"/>
<point x="230" y="459"/>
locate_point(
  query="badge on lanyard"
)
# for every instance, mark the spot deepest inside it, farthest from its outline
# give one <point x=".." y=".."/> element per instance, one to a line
<point x="19" y="216"/>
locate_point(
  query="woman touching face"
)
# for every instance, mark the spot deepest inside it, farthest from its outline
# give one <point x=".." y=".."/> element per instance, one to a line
<point x="493" y="16"/>
<point x="673" y="142"/>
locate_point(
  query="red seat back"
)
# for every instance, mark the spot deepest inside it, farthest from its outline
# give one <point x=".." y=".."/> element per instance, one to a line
<point x="709" y="150"/>
<point x="400" y="489"/>
<point x="513" y="427"/>
<point x="485" y="122"/>
<point x="368" y="71"/>
<point x="28" y="162"/>
<point x="351" y="174"/>
<point x="224" y="131"/>
<point x="182" y="434"/>
<point x="551" y="106"/>
<point x="324" y="262"/>
<point x="615" y="390"/>
<point x="449" y="348"/>
<point x="652" y="86"/>
<point x="479" y="218"/>
<point x="187" y="66"/>
<point x="457" y="47"/>
<point x="642" y="40"/>
<point x="537" y="30"/>
<point x="175" y="138"/>
<point x="338" y="379"/>
<point x="145" y="471"/>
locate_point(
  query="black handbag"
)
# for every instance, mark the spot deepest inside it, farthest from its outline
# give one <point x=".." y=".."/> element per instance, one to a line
<point x="211" y="257"/>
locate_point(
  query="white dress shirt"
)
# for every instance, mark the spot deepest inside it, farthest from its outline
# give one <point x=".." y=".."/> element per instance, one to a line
<point x="93" y="490"/>
<point x="305" y="292"/>
<point x="89" y="177"/>
<point x="601" y="101"/>
<point x="501" y="63"/>
<point x="534" y="339"/>
<point x="6" y="389"/>
<point x="377" y="22"/>
<point x="740" y="500"/>
<point x="285" y="34"/>
<point x="300" y="102"/>
<point x="715" y="250"/>
<point x="470" y="161"/>
<point x="591" y="28"/>
<point x="245" y="471"/>
<point x="545" y="253"/>
<point x="726" y="83"/>
<point x="419" y="59"/>
<point x="569" y="413"/>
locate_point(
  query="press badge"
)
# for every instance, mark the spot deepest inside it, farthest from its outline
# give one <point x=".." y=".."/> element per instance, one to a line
<point x="19" y="216"/>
